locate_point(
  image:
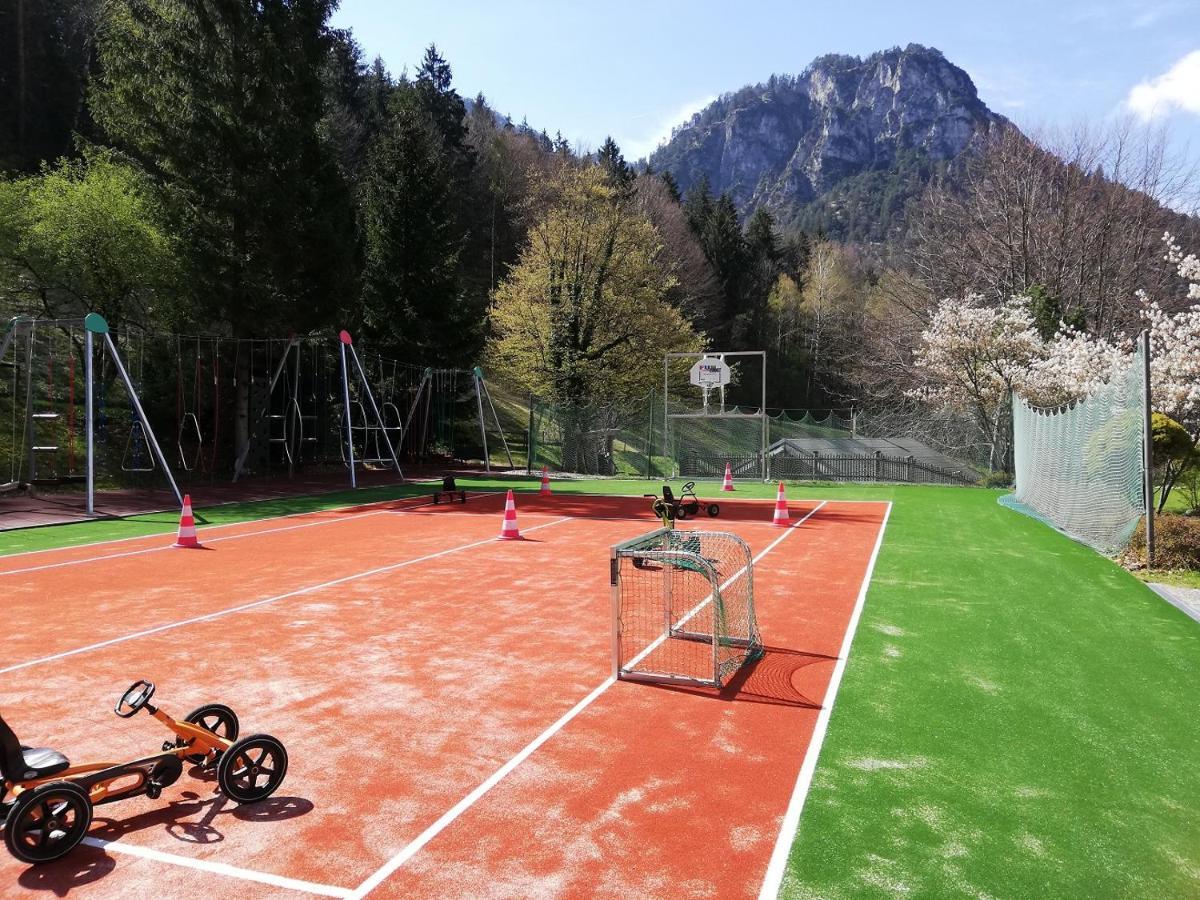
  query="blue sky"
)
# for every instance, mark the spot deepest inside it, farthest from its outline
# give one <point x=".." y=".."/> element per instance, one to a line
<point x="633" y="69"/>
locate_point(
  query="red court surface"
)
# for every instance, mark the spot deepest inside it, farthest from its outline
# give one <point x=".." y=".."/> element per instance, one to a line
<point x="446" y="700"/>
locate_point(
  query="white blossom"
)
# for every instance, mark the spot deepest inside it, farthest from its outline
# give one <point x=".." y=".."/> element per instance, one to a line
<point x="973" y="355"/>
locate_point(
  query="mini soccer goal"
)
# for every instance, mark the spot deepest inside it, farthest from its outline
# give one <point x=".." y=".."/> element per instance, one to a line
<point x="683" y="607"/>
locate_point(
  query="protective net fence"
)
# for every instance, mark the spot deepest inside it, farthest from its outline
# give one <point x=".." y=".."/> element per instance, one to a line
<point x="644" y="438"/>
<point x="683" y="607"/>
<point x="1080" y="468"/>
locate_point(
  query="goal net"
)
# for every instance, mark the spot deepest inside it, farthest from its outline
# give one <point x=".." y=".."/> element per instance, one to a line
<point x="683" y="607"/>
<point x="1079" y="468"/>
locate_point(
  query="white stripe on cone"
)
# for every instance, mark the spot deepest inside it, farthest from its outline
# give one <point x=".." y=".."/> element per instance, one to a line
<point x="728" y="485"/>
<point x="187" y="526"/>
<point x="509" y="532"/>
<point x="545" y="491"/>
<point x="781" y="509"/>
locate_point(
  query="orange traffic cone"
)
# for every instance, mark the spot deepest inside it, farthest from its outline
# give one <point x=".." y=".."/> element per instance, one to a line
<point x="545" y="491"/>
<point x="187" y="526"/>
<point x="781" y="510"/>
<point x="509" y="530"/>
<point x="728" y="485"/>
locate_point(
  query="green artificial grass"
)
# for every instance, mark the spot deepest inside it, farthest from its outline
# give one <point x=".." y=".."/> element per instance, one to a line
<point x="1017" y="719"/>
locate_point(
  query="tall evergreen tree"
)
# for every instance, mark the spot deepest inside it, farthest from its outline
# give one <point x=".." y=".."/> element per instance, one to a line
<point x="613" y="164"/>
<point x="413" y="242"/>
<point x="222" y="102"/>
<point x="45" y="48"/>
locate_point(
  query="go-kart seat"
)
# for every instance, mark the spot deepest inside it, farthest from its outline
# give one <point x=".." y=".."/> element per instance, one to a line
<point x="21" y="763"/>
<point x="668" y="494"/>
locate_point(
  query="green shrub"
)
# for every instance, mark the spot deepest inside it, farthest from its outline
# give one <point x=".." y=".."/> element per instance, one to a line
<point x="1176" y="542"/>
<point x="996" y="479"/>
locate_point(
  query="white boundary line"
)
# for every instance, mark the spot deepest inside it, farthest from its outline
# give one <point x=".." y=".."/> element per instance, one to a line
<point x="208" y="528"/>
<point x="791" y="819"/>
<point x="413" y="847"/>
<point x="208" y="540"/>
<point x="266" y="600"/>
<point x="279" y="881"/>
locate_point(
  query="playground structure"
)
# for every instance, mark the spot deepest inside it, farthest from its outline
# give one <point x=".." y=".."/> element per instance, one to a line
<point x="85" y="405"/>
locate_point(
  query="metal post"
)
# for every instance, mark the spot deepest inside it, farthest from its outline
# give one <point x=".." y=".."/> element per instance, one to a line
<point x="666" y="420"/>
<point x="346" y="407"/>
<point x="529" y="439"/>
<point x="30" y="337"/>
<point x="87" y="418"/>
<point x="477" y="374"/>
<point x="137" y="405"/>
<point x="765" y="421"/>
<point x="1148" y="451"/>
<point x="650" y="440"/>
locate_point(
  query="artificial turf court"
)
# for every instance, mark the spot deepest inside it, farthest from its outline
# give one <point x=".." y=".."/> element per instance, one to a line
<point x="1016" y="719"/>
<point x="445" y="699"/>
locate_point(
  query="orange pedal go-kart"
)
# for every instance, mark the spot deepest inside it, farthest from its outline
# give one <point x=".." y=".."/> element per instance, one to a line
<point x="50" y="807"/>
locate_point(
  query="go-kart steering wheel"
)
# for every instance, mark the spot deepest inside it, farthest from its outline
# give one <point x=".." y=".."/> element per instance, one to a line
<point x="135" y="698"/>
<point x="690" y="486"/>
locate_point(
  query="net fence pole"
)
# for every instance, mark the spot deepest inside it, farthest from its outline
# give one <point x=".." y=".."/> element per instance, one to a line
<point x="1148" y="441"/>
<point x="88" y="398"/>
<point x="477" y="374"/>
<point x="529" y="439"/>
<point x="666" y="417"/>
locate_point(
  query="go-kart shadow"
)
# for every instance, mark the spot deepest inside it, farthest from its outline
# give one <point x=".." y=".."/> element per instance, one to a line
<point x="768" y="679"/>
<point x="178" y="817"/>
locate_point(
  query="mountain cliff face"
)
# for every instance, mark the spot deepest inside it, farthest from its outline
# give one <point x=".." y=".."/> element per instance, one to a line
<point x="795" y="139"/>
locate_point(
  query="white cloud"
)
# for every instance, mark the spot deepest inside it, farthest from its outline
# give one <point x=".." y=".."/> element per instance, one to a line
<point x="635" y="147"/>
<point x="1177" y="88"/>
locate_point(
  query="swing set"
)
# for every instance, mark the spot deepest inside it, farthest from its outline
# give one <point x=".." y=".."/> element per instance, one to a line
<point x="40" y="360"/>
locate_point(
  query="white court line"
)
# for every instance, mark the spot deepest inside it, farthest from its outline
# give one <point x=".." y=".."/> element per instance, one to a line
<point x="412" y="848"/>
<point x="791" y="819"/>
<point x="207" y="528"/>
<point x="217" y="868"/>
<point x="266" y="600"/>
<point x="699" y="606"/>
<point x="207" y="540"/>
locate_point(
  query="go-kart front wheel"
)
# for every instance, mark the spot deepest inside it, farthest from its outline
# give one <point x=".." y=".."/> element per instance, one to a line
<point x="252" y="769"/>
<point x="714" y="510"/>
<point x="47" y="822"/>
<point x="217" y="718"/>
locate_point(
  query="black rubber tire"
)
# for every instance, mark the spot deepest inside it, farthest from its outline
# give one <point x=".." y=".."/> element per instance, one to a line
<point x="217" y="718"/>
<point x="56" y="799"/>
<point x="246" y="762"/>
<point x="681" y="514"/>
<point x="714" y="510"/>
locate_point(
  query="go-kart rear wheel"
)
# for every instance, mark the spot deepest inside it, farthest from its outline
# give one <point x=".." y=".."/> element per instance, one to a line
<point x="681" y="513"/>
<point x="252" y="769"/>
<point x="217" y="718"/>
<point x="47" y="822"/>
<point x="714" y="510"/>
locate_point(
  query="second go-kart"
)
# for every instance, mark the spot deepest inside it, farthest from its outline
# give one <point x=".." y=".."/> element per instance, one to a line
<point x="670" y="508"/>
<point x="50" y="807"/>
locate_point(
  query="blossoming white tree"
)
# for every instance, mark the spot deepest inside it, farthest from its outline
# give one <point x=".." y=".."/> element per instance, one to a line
<point x="974" y="356"/>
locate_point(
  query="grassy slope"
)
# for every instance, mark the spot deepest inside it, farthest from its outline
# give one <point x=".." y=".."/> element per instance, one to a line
<point x="1017" y="718"/>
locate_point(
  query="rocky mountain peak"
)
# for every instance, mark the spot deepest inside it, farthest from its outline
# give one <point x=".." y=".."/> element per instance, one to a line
<point x="792" y="139"/>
